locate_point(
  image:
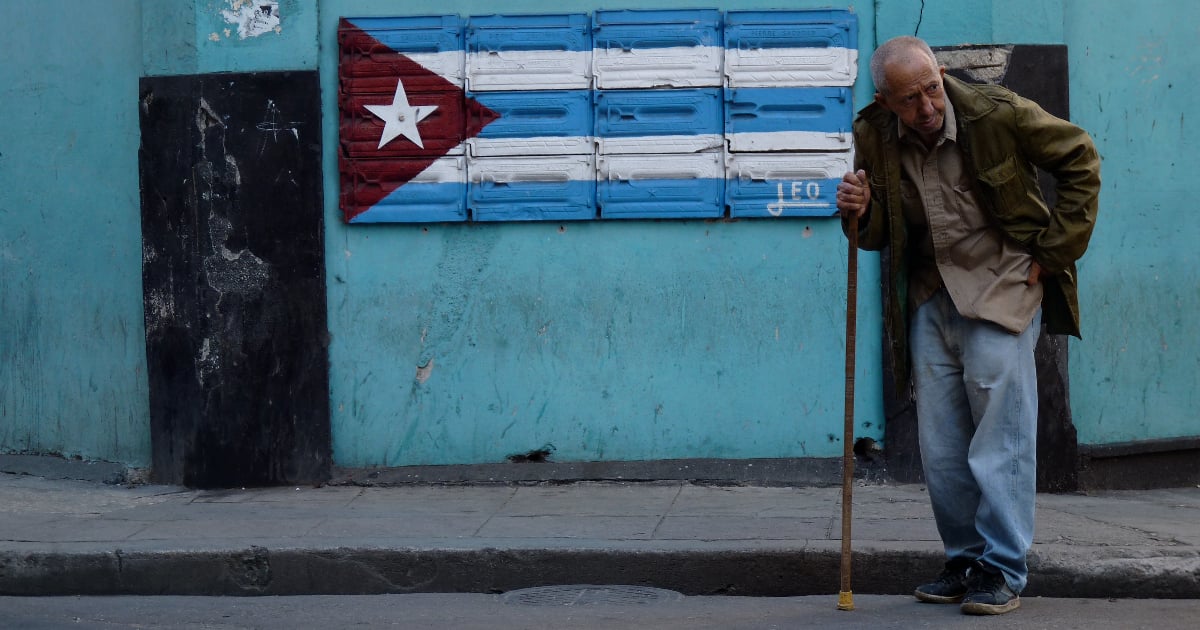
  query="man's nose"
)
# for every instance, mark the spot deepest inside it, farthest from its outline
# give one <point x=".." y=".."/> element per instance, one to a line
<point x="926" y="106"/>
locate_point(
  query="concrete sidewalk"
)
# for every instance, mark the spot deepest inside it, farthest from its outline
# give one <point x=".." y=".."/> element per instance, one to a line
<point x="60" y="537"/>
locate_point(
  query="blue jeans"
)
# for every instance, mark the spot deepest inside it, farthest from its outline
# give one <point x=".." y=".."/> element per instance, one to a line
<point x="976" y="388"/>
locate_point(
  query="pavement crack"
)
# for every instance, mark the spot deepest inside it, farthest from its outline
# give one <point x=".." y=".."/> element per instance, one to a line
<point x="511" y="493"/>
<point x="663" y="517"/>
<point x="359" y="492"/>
<point x="1150" y="537"/>
<point x="833" y="518"/>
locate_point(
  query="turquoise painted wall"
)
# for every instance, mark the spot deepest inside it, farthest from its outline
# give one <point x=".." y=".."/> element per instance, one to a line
<point x="72" y="343"/>
<point x="1136" y="374"/>
<point x="953" y="22"/>
<point x="608" y="340"/>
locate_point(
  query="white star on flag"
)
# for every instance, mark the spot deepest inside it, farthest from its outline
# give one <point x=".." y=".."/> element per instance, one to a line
<point x="400" y="118"/>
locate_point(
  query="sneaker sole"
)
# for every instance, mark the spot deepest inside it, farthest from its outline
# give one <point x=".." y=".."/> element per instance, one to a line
<point x="938" y="599"/>
<point x="979" y="608"/>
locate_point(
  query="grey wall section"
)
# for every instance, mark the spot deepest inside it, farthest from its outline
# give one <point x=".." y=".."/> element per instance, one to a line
<point x="233" y="274"/>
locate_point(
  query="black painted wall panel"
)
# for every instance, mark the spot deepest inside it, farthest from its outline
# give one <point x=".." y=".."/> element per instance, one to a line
<point x="233" y="279"/>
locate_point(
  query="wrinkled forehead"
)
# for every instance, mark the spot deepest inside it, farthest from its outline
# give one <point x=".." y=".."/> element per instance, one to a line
<point x="910" y="69"/>
<point x="911" y="59"/>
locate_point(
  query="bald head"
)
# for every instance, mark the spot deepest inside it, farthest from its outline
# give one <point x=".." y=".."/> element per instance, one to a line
<point x="904" y="49"/>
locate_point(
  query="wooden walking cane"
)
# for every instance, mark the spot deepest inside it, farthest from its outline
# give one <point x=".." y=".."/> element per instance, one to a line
<point x="846" y="596"/>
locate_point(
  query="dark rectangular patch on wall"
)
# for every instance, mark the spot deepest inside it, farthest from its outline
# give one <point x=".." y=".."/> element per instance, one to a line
<point x="233" y="277"/>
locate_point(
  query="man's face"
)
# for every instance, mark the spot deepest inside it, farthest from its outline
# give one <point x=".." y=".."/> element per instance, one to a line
<point x="915" y="94"/>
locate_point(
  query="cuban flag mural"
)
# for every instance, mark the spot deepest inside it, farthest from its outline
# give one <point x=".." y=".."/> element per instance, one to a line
<point x="613" y="115"/>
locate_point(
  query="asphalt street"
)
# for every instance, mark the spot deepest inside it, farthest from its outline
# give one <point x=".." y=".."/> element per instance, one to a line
<point x="479" y="611"/>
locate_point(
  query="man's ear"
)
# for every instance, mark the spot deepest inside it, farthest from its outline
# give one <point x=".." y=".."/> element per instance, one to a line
<point x="882" y="101"/>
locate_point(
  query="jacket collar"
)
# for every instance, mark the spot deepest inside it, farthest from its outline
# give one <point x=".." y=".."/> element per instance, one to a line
<point x="969" y="101"/>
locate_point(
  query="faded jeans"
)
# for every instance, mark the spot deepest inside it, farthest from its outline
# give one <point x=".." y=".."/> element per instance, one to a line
<point x="976" y="389"/>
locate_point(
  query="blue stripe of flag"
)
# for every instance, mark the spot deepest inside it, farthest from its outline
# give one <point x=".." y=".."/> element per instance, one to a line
<point x="565" y="32"/>
<point x="633" y="113"/>
<point x="825" y="109"/>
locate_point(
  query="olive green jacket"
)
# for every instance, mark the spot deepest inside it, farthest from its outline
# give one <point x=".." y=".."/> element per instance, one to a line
<point x="1003" y="137"/>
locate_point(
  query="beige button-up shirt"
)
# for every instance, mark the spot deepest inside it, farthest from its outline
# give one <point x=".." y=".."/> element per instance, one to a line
<point x="952" y="242"/>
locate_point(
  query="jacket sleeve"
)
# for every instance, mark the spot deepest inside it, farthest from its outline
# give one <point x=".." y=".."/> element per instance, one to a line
<point x="872" y="227"/>
<point x="1067" y="152"/>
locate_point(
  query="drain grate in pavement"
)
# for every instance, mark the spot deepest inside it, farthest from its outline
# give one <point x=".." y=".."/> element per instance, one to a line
<point x="590" y="594"/>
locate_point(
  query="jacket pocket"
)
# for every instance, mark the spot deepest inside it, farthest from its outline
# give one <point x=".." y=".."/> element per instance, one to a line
<point x="878" y="183"/>
<point x="1016" y="199"/>
<point x="1004" y="181"/>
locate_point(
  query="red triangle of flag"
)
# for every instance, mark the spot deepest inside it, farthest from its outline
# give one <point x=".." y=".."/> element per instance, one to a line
<point x="368" y="73"/>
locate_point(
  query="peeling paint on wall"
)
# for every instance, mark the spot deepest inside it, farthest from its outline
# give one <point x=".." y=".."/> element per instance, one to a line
<point x="423" y="371"/>
<point x="252" y="17"/>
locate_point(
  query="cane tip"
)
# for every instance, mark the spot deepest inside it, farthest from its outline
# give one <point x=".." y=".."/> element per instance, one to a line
<point x="845" y="600"/>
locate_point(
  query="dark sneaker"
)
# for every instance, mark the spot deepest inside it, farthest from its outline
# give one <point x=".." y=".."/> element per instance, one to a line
<point x="948" y="588"/>
<point x="989" y="594"/>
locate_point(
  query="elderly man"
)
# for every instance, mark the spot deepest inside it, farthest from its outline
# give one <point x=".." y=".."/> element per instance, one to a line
<point x="946" y="186"/>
